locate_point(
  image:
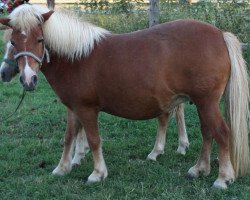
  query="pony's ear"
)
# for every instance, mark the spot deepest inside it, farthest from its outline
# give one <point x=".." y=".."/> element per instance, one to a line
<point x="5" y="21"/>
<point x="47" y="15"/>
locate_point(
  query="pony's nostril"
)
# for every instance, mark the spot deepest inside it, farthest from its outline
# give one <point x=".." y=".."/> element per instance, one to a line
<point x="3" y="75"/>
<point x="34" y="79"/>
<point x="21" y="80"/>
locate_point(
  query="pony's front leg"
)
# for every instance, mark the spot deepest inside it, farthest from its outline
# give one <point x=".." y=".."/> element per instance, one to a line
<point x="73" y="126"/>
<point x="182" y="133"/>
<point x="160" y="138"/>
<point x="82" y="147"/>
<point x="88" y="118"/>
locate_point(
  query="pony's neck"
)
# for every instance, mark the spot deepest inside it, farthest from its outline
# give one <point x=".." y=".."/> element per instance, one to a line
<point x="62" y="75"/>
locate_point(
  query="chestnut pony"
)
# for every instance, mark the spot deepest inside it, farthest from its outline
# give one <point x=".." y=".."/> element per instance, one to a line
<point x="138" y="75"/>
<point x="9" y="69"/>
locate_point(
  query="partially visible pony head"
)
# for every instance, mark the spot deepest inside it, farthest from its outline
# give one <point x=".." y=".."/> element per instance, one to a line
<point x="8" y="67"/>
<point x="26" y="17"/>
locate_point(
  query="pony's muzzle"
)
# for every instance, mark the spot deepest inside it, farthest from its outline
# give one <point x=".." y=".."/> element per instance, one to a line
<point x="28" y="86"/>
<point x="5" y="76"/>
<point x="2" y="76"/>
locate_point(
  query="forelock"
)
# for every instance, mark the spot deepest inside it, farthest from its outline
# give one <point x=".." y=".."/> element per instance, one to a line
<point x="26" y="17"/>
<point x="7" y="35"/>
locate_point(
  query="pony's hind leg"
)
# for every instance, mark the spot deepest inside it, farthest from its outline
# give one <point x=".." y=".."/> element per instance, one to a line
<point x="213" y="126"/>
<point x="161" y="133"/>
<point x="81" y="147"/>
<point x="65" y="164"/>
<point x="160" y="138"/>
<point x="182" y="133"/>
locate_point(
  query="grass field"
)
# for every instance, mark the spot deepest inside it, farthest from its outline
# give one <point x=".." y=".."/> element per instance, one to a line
<point x="31" y="145"/>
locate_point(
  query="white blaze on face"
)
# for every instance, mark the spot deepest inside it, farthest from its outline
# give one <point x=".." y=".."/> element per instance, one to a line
<point x="28" y="72"/>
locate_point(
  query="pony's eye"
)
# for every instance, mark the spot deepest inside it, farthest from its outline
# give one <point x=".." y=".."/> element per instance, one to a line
<point x="12" y="43"/>
<point x="40" y="40"/>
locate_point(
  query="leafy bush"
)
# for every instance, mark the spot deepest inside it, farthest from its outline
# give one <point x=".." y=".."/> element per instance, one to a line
<point x="104" y="6"/>
<point x="226" y="16"/>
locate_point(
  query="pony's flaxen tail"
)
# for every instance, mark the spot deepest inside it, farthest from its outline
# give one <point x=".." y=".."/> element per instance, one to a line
<point x="236" y="106"/>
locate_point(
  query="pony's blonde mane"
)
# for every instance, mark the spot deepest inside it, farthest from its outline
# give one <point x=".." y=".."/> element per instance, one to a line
<point x="64" y="33"/>
<point x="7" y="35"/>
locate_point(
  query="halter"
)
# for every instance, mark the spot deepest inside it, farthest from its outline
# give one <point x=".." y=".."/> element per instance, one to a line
<point x="36" y="58"/>
<point x="10" y="62"/>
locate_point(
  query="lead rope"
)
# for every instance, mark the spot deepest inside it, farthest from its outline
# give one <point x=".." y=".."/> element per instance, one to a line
<point x="18" y="106"/>
<point x="24" y="53"/>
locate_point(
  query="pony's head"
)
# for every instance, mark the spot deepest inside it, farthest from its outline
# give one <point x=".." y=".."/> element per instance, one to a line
<point x="64" y="34"/>
<point x="9" y="67"/>
<point x="27" y="40"/>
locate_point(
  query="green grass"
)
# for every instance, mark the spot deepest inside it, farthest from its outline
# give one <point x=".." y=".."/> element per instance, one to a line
<point x="34" y="135"/>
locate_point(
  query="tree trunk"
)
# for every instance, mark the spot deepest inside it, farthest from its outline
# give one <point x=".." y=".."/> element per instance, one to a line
<point x="154" y="12"/>
<point x="51" y="4"/>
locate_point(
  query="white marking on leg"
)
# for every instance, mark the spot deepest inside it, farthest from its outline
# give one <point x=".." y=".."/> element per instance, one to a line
<point x="64" y="166"/>
<point x="182" y="133"/>
<point x="100" y="170"/>
<point x="201" y="168"/>
<point x="82" y="147"/>
<point x="226" y="174"/>
<point x="159" y="143"/>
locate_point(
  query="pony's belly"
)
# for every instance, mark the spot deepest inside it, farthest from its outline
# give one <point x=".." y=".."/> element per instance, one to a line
<point x="134" y="111"/>
<point x="147" y="109"/>
<point x="135" y="115"/>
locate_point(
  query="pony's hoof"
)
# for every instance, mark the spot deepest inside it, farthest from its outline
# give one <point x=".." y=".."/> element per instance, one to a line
<point x="200" y="170"/>
<point x="219" y="184"/>
<point x="60" y="171"/>
<point x="92" y="181"/>
<point x="78" y="157"/>
<point x="154" y="154"/>
<point x="76" y="162"/>
<point x="183" y="147"/>
<point x="152" y="157"/>
<point x="182" y="150"/>
<point x="222" y="184"/>
<point x="96" y="177"/>
<point x="193" y="173"/>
